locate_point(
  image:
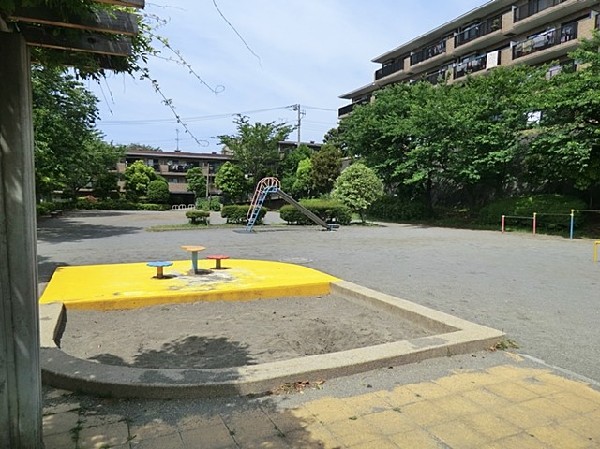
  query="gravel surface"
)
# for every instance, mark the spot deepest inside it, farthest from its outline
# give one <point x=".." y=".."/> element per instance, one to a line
<point x="544" y="292"/>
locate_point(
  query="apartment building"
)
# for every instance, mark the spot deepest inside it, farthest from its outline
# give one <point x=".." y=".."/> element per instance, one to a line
<point x="499" y="33"/>
<point x="173" y="165"/>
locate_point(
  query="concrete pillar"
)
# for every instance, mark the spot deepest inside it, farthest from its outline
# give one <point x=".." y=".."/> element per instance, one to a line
<point x="20" y="380"/>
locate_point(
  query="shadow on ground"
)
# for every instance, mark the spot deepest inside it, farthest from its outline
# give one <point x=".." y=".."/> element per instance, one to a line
<point x="66" y="230"/>
<point x="187" y="353"/>
<point x="79" y="420"/>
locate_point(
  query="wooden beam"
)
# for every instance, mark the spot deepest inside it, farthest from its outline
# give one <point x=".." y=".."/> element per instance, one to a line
<point x="87" y="42"/>
<point x="115" y="22"/>
<point x="128" y="3"/>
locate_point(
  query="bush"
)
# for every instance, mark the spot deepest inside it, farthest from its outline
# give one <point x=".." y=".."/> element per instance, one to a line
<point x="236" y="214"/>
<point x="397" y="209"/>
<point x="152" y="206"/>
<point x="212" y="203"/>
<point x="328" y="210"/>
<point x="526" y="206"/>
<point x="85" y="203"/>
<point x="158" y="192"/>
<point x="45" y="208"/>
<point x="198" y="216"/>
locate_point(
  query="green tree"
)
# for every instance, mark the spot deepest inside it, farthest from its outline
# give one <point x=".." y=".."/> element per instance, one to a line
<point x="158" y="192"/>
<point x="358" y="187"/>
<point x="326" y="166"/>
<point x="137" y="179"/>
<point x="141" y="147"/>
<point x="289" y="166"/>
<point x="196" y="181"/>
<point x="69" y="152"/>
<point x="302" y="185"/>
<point x="490" y="116"/>
<point x="446" y="141"/>
<point x="231" y="181"/>
<point x="255" y="146"/>
<point x="565" y="146"/>
<point x="378" y="133"/>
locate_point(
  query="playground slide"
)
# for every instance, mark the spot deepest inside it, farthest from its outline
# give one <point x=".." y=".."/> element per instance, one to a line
<point x="318" y="220"/>
<point x="271" y="185"/>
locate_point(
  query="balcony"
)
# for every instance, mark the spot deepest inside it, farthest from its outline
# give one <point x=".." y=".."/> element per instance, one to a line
<point x="545" y="40"/>
<point x="345" y="110"/>
<point x="478" y="30"/>
<point x="471" y="66"/>
<point x="388" y="69"/>
<point x="428" y="52"/>
<point x="533" y="7"/>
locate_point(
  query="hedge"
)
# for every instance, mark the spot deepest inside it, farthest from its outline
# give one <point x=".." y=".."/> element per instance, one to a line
<point x="198" y="216"/>
<point x="397" y="209"/>
<point x="236" y="214"/>
<point x="328" y="210"/>
<point x="558" y="206"/>
<point x="92" y="203"/>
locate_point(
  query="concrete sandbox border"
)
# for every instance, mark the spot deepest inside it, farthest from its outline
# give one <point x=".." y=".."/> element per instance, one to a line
<point x="454" y="336"/>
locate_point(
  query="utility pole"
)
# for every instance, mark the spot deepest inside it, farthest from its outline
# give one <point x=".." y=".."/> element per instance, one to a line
<point x="301" y="114"/>
<point x="177" y="139"/>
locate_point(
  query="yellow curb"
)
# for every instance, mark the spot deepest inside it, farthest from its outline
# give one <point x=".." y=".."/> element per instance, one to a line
<point x="134" y="285"/>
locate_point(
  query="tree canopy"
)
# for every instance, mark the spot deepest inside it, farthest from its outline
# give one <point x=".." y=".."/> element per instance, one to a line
<point x="255" y="146"/>
<point x="358" y="187"/>
<point x="137" y="178"/>
<point x="231" y="181"/>
<point x="69" y="151"/>
<point x="196" y="181"/>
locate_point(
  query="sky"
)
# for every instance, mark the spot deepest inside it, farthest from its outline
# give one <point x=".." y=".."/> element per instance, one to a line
<point x="257" y="58"/>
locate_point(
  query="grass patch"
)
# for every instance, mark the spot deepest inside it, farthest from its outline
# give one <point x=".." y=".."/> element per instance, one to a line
<point x="184" y="227"/>
<point x="505" y="345"/>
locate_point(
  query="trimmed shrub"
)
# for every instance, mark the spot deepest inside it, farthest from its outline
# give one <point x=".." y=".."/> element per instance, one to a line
<point x="557" y="206"/>
<point x="85" y="203"/>
<point x="236" y="214"/>
<point x="328" y="210"/>
<point x="397" y="209"/>
<point x="198" y="216"/>
<point x="153" y="206"/>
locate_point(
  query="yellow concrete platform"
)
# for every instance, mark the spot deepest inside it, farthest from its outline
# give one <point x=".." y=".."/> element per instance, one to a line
<point x="133" y="285"/>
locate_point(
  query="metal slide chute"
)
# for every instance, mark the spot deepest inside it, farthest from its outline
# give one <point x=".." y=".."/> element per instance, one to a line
<point x="268" y="186"/>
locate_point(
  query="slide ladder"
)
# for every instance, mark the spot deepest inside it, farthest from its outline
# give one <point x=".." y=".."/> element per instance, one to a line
<point x="264" y="188"/>
<point x="271" y="185"/>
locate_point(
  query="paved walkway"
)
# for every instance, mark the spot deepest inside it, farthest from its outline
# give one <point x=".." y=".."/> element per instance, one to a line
<point x="510" y="403"/>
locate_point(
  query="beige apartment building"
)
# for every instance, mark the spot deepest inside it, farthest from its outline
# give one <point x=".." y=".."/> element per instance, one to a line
<point x="173" y="165"/>
<point x="498" y="33"/>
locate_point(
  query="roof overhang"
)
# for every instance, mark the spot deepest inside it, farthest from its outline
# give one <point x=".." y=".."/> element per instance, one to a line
<point x="441" y="31"/>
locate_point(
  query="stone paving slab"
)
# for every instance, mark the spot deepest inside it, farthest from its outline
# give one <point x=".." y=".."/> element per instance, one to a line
<point x="511" y="404"/>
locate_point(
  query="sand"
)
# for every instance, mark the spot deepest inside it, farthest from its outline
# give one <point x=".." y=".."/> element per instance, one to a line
<point x="210" y="335"/>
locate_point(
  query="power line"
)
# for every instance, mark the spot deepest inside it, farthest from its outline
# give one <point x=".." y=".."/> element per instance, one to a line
<point x="189" y="119"/>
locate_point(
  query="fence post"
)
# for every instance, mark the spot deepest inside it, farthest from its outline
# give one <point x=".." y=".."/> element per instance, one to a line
<point x="572" y="228"/>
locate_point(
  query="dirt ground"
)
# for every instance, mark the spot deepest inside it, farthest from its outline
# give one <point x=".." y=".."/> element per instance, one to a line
<point x="214" y="335"/>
